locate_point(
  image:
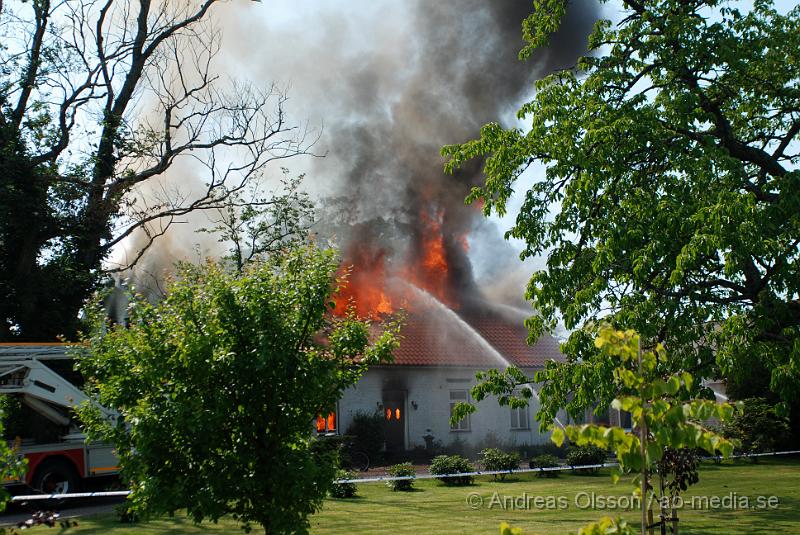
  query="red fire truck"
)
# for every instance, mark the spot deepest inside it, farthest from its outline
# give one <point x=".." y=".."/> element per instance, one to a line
<point x="36" y="374"/>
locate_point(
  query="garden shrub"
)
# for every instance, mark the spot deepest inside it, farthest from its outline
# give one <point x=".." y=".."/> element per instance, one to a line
<point x="545" y="461"/>
<point x="452" y="464"/>
<point x="343" y="490"/>
<point x="125" y="514"/>
<point x="529" y="451"/>
<point x="495" y="459"/>
<point x="758" y="427"/>
<point x="583" y="455"/>
<point x="367" y="434"/>
<point x="401" y="470"/>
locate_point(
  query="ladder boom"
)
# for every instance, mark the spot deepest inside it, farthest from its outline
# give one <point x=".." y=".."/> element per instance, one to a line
<point x="22" y="371"/>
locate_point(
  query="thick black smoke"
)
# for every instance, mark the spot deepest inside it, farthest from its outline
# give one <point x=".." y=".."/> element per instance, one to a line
<point x="461" y="71"/>
<point x="391" y="83"/>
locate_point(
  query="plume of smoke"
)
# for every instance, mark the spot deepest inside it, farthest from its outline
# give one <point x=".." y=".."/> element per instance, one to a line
<point x="392" y="82"/>
<point x="457" y="71"/>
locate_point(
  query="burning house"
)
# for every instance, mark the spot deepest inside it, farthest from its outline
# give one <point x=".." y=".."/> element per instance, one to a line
<point x="389" y="104"/>
<point x="451" y="332"/>
<point x="434" y="368"/>
<point x="402" y="225"/>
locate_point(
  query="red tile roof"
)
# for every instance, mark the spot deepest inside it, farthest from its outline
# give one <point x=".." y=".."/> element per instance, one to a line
<point x="487" y="339"/>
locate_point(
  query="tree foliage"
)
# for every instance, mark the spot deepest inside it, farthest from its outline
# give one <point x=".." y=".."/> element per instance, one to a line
<point x="99" y="101"/>
<point x="677" y="470"/>
<point x="661" y="406"/>
<point x="12" y="465"/>
<point x="217" y="387"/>
<point x="758" y="427"/>
<point x="260" y="225"/>
<point x="667" y="192"/>
<point x="665" y="420"/>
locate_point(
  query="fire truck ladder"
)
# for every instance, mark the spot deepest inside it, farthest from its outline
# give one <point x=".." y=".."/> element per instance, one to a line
<point x="23" y="371"/>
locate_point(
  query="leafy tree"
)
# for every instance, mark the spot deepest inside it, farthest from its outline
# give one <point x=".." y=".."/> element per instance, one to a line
<point x="758" y="427"/>
<point x="259" y="226"/>
<point x="12" y="466"/>
<point x="666" y="193"/>
<point x="677" y="469"/>
<point x="98" y="104"/>
<point x="665" y="419"/>
<point x="217" y="387"/>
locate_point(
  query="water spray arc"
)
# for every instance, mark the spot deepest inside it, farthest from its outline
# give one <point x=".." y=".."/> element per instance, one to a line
<point x="448" y="313"/>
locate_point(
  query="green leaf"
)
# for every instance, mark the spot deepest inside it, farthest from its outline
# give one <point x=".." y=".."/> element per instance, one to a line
<point x="557" y="436"/>
<point x="673" y="385"/>
<point x="688" y="380"/>
<point x="654" y="452"/>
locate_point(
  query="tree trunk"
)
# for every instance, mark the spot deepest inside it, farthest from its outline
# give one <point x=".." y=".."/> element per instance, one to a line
<point x="643" y="452"/>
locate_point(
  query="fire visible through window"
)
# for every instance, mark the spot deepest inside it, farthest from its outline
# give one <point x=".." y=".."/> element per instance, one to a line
<point x="393" y="414"/>
<point x="326" y="424"/>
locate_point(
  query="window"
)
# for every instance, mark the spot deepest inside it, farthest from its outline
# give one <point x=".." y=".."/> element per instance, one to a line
<point x="392" y="413"/>
<point x="326" y="424"/>
<point x="602" y="418"/>
<point x="625" y="419"/>
<point x="458" y="396"/>
<point x="519" y="417"/>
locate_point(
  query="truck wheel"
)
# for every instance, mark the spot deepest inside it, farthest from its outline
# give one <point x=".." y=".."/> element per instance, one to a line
<point x="56" y="476"/>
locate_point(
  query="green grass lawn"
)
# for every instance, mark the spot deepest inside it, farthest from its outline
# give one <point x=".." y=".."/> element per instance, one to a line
<point x="434" y="508"/>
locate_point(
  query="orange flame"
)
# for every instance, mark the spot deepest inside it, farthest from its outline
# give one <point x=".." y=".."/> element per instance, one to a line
<point x="364" y="288"/>
<point x="367" y="288"/>
<point x="431" y="272"/>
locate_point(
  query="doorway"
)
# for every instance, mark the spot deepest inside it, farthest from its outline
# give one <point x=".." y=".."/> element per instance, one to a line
<point x="394" y="419"/>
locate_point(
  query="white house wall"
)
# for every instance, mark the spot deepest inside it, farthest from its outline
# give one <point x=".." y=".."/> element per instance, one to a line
<point x="428" y="388"/>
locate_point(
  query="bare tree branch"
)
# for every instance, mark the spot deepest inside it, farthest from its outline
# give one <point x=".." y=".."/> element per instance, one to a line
<point x="104" y="98"/>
